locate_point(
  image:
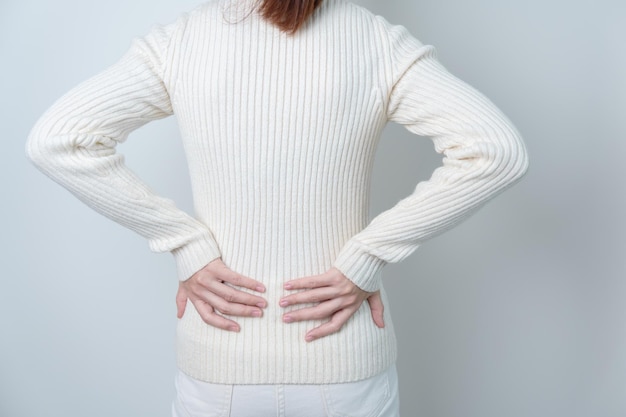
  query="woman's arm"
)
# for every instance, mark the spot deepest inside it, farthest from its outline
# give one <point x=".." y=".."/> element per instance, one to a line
<point x="483" y="155"/>
<point x="75" y="140"/>
<point x="74" y="143"/>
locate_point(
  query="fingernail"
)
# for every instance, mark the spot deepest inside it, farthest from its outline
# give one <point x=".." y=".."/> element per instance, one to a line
<point x="256" y="313"/>
<point x="261" y="305"/>
<point x="287" y="285"/>
<point x="309" y="338"/>
<point x="284" y="303"/>
<point x="287" y="319"/>
<point x="234" y="328"/>
<point x="260" y="288"/>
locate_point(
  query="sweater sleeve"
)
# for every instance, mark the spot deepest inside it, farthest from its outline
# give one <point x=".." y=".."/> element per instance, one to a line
<point x="483" y="154"/>
<point x="74" y="143"/>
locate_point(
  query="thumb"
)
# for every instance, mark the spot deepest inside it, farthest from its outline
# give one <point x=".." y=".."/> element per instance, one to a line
<point x="181" y="302"/>
<point x="377" y="308"/>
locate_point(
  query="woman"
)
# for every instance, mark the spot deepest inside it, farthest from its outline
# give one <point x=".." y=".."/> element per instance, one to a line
<point x="281" y="105"/>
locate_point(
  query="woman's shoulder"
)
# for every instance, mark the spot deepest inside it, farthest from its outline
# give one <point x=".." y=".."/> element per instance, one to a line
<point x="373" y="23"/>
<point x="358" y="11"/>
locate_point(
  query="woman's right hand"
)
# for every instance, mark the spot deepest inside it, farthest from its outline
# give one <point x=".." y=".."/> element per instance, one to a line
<point x="211" y="295"/>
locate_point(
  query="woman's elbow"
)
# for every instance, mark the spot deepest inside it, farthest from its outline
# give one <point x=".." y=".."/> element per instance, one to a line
<point x="35" y="149"/>
<point x="509" y="157"/>
<point x="518" y="161"/>
<point x="46" y="151"/>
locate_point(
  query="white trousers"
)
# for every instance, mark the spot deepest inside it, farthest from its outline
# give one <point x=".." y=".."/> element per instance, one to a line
<point x="372" y="397"/>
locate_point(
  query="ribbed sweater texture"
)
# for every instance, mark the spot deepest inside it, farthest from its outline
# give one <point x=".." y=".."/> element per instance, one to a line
<point x="280" y="134"/>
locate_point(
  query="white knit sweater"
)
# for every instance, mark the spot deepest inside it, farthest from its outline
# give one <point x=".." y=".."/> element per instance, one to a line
<point x="280" y="134"/>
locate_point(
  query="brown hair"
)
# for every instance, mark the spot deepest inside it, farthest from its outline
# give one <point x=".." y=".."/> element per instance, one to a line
<point x="288" y="15"/>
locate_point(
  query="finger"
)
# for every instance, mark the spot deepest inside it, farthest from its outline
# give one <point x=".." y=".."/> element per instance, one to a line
<point x="377" y="308"/>
<point x="312" y="281"/>
<point x="231" y="309"/>
<point x="315" y="295"/>
<point x="332" y="326"/>
<point x="181" y="305"/>
<point x="233" y="295"/>
<point x="239" y="280"/>
<point x="181" y="302"/>
<point x="209" y="316"/>
<point x="320" y="311"/>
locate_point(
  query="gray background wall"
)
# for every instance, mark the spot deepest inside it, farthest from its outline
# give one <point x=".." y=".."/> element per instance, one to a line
<point x="519" y="311"/>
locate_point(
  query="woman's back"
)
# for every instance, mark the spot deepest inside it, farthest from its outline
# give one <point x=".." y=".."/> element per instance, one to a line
<point x="280" y="133"/>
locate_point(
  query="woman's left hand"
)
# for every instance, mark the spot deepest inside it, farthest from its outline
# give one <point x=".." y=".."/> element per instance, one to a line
<point x="338" y="299"/>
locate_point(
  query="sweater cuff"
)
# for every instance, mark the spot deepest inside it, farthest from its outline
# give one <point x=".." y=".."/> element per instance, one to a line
<point x="360" y="267"/>
<point x="194" y="256"/>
